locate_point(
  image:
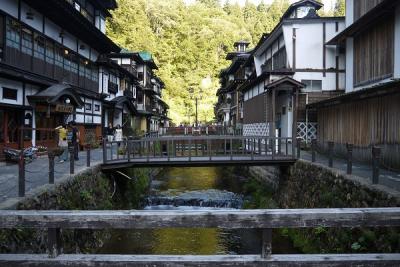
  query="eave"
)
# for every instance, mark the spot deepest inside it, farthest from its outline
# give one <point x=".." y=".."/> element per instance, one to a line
<point x="364" y="22"/>
<point x="72" y="21"/>
<point x="370" y="92"/>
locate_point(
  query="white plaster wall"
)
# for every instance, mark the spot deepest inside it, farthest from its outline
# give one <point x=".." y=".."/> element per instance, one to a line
<point x="342" y="81"/>
<point x="349" y="12"/>
<point x="52" y="30"/>
<point x="84" y="52"/>
<point x="79" y="118"/>
<point x="97" y="120"/>
<point x="69" y="41"/>
<point x="36" y="22"/>
<point x="328" y="82"/>
<point x="10" y="7"/>
<point x="349" y="64"/>
<point x="12" y="85"/>
<point x="309" y="42"/>
<point x="286" y="120"/>
<point x="288" y="37"/>
<point x="258" y="61"/>
<point x="93" y="54"/>
<point x="126" y="61"/>
<point x="30" y="90"/>
<point x="396" y="74"/>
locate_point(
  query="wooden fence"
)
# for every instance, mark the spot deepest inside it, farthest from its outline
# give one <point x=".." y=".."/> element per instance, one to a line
<point x="265" y="220"/>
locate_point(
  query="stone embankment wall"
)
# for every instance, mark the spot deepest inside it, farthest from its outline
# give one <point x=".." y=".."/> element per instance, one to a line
<point x="307" y="185"/>
<point x="91" y="190"/>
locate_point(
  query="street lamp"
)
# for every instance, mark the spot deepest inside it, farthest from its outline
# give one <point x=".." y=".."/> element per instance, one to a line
<point x="191" y="91"/>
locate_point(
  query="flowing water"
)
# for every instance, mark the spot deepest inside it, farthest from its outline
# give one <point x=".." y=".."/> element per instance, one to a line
<point x="188" y="189"/>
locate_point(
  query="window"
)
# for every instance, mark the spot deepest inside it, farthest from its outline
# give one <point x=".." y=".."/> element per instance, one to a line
<point x="95" y="74"/>
<point x="39" y="47"/>
<point x="312" y="85"/>
<point x="74" y="64"/>
<point x="88" y="106"/>
<point x="88" y="71"/>
<point x="13" y="37"/>
<point x="96" y="107"/>
<point x="27" y="41"/>
<point x="49" y="52"/>
<point x="67" y="63"/>
<point x="11" y="94"/>
<point x="279" y="59"/>
<point x="82" y="64"/>
<point x="59" y="56"/>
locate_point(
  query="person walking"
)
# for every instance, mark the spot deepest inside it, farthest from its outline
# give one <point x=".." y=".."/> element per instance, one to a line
<point x="110" y="132"/>
<point x="62" y="142"/>
<point x="118" y="135"/>
<point x="75" y="140"/>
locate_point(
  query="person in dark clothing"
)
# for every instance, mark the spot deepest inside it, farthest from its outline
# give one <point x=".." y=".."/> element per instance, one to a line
<point x="110" y="132"/>
<point x="75" y="139"/>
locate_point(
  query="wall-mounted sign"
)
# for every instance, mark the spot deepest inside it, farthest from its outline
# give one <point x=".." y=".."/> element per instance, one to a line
<point x="64" y="108"/>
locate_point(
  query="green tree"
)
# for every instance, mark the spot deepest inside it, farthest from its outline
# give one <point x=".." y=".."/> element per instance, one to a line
<point x="340" y="8"/>
<point x="190" y="42"/>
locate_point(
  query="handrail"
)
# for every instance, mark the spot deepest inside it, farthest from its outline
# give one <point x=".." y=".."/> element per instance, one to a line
<point x="215" y="150"/>
<point x="227" y="219"/>
<point x="266" y="220"/>
<point x="213" y="137"/>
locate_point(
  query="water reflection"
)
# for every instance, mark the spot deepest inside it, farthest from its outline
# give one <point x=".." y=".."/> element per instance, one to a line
<point x="188" y="189"/>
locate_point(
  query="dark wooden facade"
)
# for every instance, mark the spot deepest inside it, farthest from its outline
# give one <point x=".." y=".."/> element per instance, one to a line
<point x="363" y="120"/>
<point x="29" y="50"/>
<point x="361" y="7"/>
<point x="255" y="110"/>
<point x="374" y="52"/>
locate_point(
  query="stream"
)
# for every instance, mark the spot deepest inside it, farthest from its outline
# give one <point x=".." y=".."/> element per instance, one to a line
<point x="193" y="189"/>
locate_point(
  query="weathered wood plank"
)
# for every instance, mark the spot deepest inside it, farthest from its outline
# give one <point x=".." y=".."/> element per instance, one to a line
<point x="383" y="260"/>
<point x="229" y="219"/>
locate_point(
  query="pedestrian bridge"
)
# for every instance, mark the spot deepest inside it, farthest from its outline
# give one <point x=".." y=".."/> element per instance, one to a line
<point x="192" y="151"/>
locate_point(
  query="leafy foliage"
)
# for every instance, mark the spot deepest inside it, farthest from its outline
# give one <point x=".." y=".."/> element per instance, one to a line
<point x="190" y="42"/>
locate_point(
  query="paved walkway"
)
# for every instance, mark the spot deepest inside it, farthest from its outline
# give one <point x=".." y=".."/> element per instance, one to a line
<point x="37" y="173"/>
<point x="386" y="178"/>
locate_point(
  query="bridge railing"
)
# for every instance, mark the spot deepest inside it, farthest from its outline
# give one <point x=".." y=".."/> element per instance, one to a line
<point x="264" y="220"/>
<point x="203" y="148"/>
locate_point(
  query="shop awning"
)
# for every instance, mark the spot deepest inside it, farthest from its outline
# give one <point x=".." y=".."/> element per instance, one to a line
<point x="285" y="82"/>
<point x="57" y="93"/>
<point x="120" y="101"/>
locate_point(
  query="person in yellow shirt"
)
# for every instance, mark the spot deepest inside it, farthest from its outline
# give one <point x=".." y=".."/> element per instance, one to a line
<point x="62" y="142"/>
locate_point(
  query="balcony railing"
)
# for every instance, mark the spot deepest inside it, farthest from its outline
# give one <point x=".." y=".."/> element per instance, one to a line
<point x="112" y="87"/>
<point x="131" y="69"/>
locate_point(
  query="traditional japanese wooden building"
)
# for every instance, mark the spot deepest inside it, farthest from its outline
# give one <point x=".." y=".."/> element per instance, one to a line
<point x="368" y="114"/>
<point x="117" y="85"/>
<point x="48" y="69"/>
<point x="151" y="110"/>
<point x="229" y="109"/>
<point x="293" y="66"/>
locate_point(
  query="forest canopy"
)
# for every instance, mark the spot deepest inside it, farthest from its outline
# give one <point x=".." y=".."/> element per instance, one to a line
<point x="189" y="43"/>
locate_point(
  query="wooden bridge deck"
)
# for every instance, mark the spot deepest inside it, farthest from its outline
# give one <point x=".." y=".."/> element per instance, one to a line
<point x="198" y="151"/>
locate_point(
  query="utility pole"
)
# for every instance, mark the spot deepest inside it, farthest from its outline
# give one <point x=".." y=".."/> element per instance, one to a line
<point x="197" y="122"/>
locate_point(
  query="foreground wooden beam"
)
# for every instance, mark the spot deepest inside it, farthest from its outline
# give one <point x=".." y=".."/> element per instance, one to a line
<point x="229" y="219"/>
<point x="384" y="260"/>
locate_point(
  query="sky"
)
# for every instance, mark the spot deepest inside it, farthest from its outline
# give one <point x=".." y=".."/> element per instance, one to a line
<point x="328" y="4"/>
